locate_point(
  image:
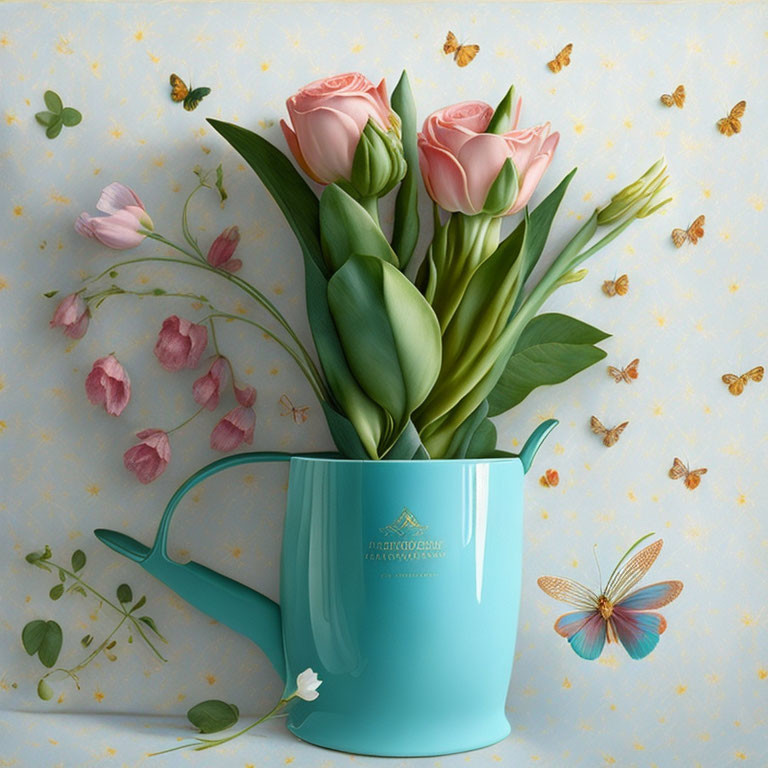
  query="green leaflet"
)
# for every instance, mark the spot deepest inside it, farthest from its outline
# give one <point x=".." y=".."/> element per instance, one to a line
<point x="43" y="638"/>
<point x="213" y="715"/>
<point x="552" y="348"/>
<point x="408" y="446"/>
<point x="483" y="442"/>
<point x="462" y="437"/>
<point x="343" y="433"/>
<point x="389" y="334"/>
<point x="347" y="228"/>
<point x="405" y="233"/>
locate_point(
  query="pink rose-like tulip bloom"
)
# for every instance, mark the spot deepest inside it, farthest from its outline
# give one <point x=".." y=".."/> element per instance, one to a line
<point x="108" y="384"/>
<point x="222" y="248"/>
<point x="180" y="343"/>
<point x="150" y="457"/>
<point x="328" y="118"/>
<point x="126" y="216"/>
<point x="459" y="161"/>
<point x="72" y="315"/>
<point x="235" y="428"/>
<point x="207" y="389"/>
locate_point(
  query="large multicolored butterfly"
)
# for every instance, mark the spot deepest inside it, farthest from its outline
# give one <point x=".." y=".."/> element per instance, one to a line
<point x="616" y="614"/>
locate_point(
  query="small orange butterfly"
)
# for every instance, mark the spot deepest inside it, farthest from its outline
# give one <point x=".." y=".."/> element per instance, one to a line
<point x="562" y="59"/>
<point x="299" y="414"/>
<point x="462" y="54"/>
<point x="736" y="384"/>
<point x="610" y="436"/>
<point x="549" y="479"/>
<point x="676" y="99"/>
<point x="731" y="124"/>
<point x="694" y="233"/>
<point x="692" y="476"/>
<point x="624" y="374"/>
<point x="619" y="287"/>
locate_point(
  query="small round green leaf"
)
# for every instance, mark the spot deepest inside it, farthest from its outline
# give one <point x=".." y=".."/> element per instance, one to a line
<point x="78" y="560"/>
<point x="56" y="592"/>
<point x="124" y="593"/>
<point x="54" y="129"/>
<point x="32" y="635"/>
<point x="44" y="691"/>
<point x="53" y="102"/>
<point x="51" y="644"/>
<point x="45" y="118"/>
<point x="213" y="715"/>
<point x="70" y="116"/>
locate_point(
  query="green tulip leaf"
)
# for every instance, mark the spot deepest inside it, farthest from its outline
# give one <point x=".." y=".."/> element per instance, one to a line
<point x="54" y="129"/>
<point x="213" y="715"/>
<point x="347" y="228"/>
<point x="556" y="327"/>
<point x="389" y="333"/>
<point x="343" y="433"/>
<point x="70" y="116"/>
<point x="483" y="442"/>
<point x="504" y="115"/>
<point x="405" y="232"/>
<point x="408" y="446"/>
<point x="53" y="102"/>
<point x="462" y="437"/>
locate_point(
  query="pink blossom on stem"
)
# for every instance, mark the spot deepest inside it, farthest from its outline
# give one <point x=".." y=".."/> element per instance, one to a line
<point x="235" y="428"/>
<point x="150" y="457"/>
<point x="207" y="389"/>
<point x="72" y="315"/>
<point x="121" y="227"/>
<point x="108" y="384"/>
<point x="180" y="343"/>
<point x="246" y="395"/>
<point x="222" y="248"/>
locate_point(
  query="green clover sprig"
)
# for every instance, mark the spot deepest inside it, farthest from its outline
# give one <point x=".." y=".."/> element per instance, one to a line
<point x="57" y="115"/>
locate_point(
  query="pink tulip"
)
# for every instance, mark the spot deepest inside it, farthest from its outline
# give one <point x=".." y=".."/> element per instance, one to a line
<point x="150" y="457"/>
<point x="222" y="248"/>
<point x="108" y="384"/>
<point x="207" y="389"/>
<point x="328" y="118"/>
<point x="235" y="428"/>
<point x="72" y="315"/>
<point x="120" y="229"/>
<point x="180" y="343"/>
<point x="459" y="161"/>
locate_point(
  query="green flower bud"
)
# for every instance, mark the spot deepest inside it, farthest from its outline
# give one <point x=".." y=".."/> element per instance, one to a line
<point x="379" y="163"/>
<point x="637" y="199"/>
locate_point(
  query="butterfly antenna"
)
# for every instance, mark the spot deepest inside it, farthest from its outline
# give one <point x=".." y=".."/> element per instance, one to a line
<point x="626" y="554"/>
<point x="597" y="563"/>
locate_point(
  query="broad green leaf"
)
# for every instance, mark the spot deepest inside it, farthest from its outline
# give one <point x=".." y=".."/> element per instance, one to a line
<point x="389" y="333"/>
<point x="45" y="118"/>
<point x="78" y="560"/>
<point x="124" y="593"/>
<point x="213" y="715"/>
<point x="50" y="646"/>
<point x="556" y="327"/>
<point x="56" y="592"/>
<point x="343" y="433"/>
<point x="347" y="228"/>
<point x="463" y="435"/>
<point x="483" y="442"/>
<point x="408" y="446"/>
<point x="44" y="691"/>
<point x="54" y="129"/>
<point x="53" y="102"/>
<point x="405" y="233"/>
<point x="32" y="635"/>
<point x="504" y="114"/>
<point x="291" y="193"/>
<point x="70" y="116"/>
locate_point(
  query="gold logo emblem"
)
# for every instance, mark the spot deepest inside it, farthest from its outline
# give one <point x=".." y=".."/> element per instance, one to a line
<point x="405" y="525"/>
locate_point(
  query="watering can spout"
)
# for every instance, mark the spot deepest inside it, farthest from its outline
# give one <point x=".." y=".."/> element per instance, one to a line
<point x="533" y="443"/>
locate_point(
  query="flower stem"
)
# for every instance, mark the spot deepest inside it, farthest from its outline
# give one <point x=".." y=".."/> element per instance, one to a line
<point x="186" y="421"/>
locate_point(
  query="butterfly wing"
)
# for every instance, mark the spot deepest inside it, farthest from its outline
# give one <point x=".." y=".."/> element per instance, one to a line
<point x="678" y="469"/>
<point x="667" y="100"/>
<point x="638" y="632"/>
<point x="194" y="97"/>
<point x="693" y="478"/>
<point x="756" y="374"/>
<point x="609" y="288"/>
<point x="597" y="426"/>
<point x="451" y="44"/>
<point x="179" y="90"/>
<point x="622" y="285"/>
<point x="623" y="579"/>
<point x="568" y="591"/>
<point x="612" y="435"/>
<point x="679" y="236"/>
<point x="653" y="596"/>
<point x="738" y="110"/>
<point x="585" y="631"/>
<point x="616" y="373"/>
<point x="631" y="369"/>
<point x="679" y="96"/>
<point x="696" y="230"/>
<point x="735" y="383"/>
<point x="465" y="54"/>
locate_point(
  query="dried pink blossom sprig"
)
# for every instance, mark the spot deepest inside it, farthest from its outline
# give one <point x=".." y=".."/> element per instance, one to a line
<point x="207" y="389"/>
<point x="108" y="384"/>
<point x="180" y="343"/>
<point x="223" y="247"/>
<point x="72" y="314"/>
<point x="150" y="457"/>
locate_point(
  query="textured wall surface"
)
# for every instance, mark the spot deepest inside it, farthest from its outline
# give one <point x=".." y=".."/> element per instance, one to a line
<point x="691" y="315"/>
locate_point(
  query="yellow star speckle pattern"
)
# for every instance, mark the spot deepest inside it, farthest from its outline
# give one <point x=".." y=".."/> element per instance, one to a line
<point x="701" y="698"/>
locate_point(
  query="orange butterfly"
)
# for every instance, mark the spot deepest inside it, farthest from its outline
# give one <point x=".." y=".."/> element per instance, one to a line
<point x="549" y="479"/>
<point x="618" y="287"/>
<point x="731" y="124"/>
<point x="624" y="374"/>
<point x="676" y="99"/>
<point x="610" y="436"/>
<point x="562" y="59"/>
<point x="692" y="476"/>
<point x="299" y="414"/>
<point x="736" y="384"/>
<point x="694" y="233"/>
<point x="462" y="54"/>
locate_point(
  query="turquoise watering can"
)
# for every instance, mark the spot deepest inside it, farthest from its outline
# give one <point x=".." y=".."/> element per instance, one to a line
<point x="399" y="586"/>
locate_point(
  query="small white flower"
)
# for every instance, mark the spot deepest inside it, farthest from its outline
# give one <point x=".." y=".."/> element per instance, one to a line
<point x="307" y="684"/>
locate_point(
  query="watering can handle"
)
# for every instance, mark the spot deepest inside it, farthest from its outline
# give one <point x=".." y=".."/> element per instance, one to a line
<point x="226" y="600"/>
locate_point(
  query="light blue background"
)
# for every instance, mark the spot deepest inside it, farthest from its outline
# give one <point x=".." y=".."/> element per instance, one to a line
<point x="691" y="315"/>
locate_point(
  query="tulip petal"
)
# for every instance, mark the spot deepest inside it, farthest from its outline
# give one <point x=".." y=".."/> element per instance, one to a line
<point x="117" y="196"/>
<point x="482" y="158"/>
<point x="444" y="178"/>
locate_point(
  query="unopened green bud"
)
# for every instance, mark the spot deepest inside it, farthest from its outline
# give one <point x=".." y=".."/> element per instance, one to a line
<point x="637" y="197"/>
<point x="504" y="117"/>
<point x="574" y="276"/>
<point x="379" y="163"/>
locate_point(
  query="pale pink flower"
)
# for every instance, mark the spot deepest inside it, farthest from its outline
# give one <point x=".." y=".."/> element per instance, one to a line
<point x="207" y="389"/>
<point x="150" y="457"/>
<point x="246" y="395"/>
<point x="459" y="161"/>
<point x="108" y="384"/>
<point x="328" y="118"/>
<point x="222" y="248"/>
<point x="120" y="229"/>
<point x="235" y="428"/>
<point x="72" y="315"/>
<point x="180" y="343"/>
